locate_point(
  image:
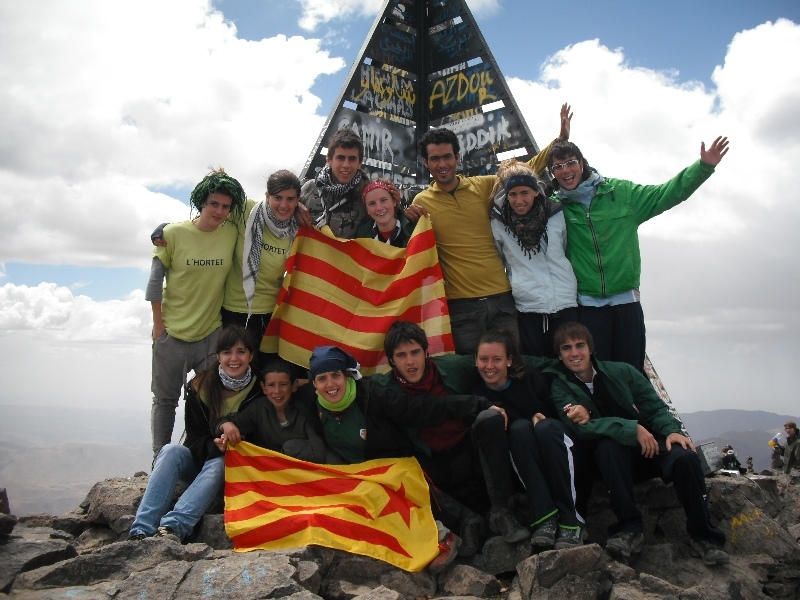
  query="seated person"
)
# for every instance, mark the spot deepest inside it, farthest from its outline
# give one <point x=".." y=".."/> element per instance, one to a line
<point x="273" y="421"/>
<point x="613" y="407"/>
<point x="386" y="223"/>
<point x="537" y="439"/>
<point x="361" y="421"/>
<point x="730" y="462"/>
<point x="226" y="387"/>
<point x="791" y="451"/>
<point x="452" y="458"/>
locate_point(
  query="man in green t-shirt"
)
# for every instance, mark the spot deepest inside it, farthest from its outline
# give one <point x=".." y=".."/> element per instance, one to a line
<point x="186" y="311"/>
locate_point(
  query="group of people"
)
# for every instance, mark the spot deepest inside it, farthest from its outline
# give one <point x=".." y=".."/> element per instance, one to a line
<point x="558" y="276"/>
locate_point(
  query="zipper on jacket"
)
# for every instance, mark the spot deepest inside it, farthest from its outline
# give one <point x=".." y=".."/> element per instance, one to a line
<point x="597" y="253"/>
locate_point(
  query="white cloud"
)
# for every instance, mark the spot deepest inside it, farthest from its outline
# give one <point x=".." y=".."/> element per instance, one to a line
<point x="68" y="318"/>
<point x="103" y="102"/>
<point x="318" y="12"/>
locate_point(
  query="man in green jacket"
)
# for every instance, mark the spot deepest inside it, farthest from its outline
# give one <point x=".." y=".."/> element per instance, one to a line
<point x="633" y="435"/>
<point x="603" y="216"/>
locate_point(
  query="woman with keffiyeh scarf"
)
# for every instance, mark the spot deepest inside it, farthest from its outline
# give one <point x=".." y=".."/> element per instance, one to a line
<point x="266" y="233"/>
<point x="530" y="234"/>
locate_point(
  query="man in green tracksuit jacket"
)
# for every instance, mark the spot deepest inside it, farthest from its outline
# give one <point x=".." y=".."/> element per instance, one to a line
<point x="632" y="435"/>
<point x="603" y="216"/>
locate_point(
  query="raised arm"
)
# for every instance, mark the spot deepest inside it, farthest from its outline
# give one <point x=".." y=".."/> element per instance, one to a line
<point x="715" y="152"/>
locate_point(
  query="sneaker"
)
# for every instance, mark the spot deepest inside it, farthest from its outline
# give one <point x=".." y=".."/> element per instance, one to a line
<point x="448" y="550"/>
<point x="545" y="532"/>
<point x="569" y="537"/>
<point x="136" y="537"/>
<point x="502" y="521"/>
<point x="470" y="532"/>
<point x="711" y="554"/>
<point x="625" y="543"/>
<point x="168" y="533"/>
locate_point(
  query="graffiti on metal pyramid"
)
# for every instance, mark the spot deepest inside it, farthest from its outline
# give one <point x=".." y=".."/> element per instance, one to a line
<point x="425" y="64"/>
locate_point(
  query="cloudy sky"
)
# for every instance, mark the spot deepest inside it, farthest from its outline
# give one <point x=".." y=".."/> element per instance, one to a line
<point x="110" y="112"/>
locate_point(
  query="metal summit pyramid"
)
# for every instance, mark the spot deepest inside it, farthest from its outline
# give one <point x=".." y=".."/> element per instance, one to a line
<point x="425" y="64"/>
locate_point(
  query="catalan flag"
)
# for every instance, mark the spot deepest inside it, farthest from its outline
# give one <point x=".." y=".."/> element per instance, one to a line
<point x="347" y="293"/>
<point x="380" y="508"/>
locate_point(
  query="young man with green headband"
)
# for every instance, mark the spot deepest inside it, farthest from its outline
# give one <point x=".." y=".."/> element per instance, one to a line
<point x="186" y="311"/>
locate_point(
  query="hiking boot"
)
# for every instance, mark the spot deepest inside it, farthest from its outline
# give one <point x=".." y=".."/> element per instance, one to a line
<point x="448" y="550"/>
<point x="470" y="536"/>
<point x="624" y="543"/>
<point x="136" y="537"/>
<point x="502" y="521"/>
<point x="569" y="537"/>
<point x="545" y="532"/>
<point x="711" y="554"/>
<point x="168" y="533"/>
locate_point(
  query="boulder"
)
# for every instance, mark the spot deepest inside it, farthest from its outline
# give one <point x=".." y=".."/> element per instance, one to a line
<point x="81" y="555"/>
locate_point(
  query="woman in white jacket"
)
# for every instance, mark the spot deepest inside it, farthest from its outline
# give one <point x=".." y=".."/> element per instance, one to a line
<point x="531" y="237"/>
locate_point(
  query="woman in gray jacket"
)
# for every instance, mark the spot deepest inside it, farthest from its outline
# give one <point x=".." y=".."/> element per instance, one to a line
<point x="531" y="238"/>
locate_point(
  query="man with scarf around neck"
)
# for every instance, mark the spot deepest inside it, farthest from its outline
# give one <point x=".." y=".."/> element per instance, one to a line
<point x="632" y="435"/>
<point x="333" y="197"/>
<point x="531" y="237"/>
<point x="362" y="420"/>
<point x="603" y="217"/>
<point x="477" y="289"/>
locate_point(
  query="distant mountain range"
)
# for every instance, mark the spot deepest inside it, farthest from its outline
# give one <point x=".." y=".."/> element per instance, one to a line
<point x="51" y="456"/>
<point x="748" y="431"/>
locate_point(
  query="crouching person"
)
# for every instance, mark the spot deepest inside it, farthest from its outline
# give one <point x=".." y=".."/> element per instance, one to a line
<point x="225" y="388"/>
<point x="634" y="436"/>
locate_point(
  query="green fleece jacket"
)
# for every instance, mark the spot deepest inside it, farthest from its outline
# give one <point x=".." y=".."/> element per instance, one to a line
<point x="632" y="393"/>
<point x="602" y="238"/>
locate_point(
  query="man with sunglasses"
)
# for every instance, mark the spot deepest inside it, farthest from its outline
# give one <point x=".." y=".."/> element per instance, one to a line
<point x="603" y="217"/>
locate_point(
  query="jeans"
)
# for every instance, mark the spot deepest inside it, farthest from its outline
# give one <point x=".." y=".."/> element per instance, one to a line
<point x="471" y="317"/>
<point x="173" y="464"/>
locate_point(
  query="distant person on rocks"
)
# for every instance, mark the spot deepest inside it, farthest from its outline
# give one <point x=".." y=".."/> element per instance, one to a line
<point x="614" y="408"/>
<point x="791" y="451"/>
<point x="186" y="311"/>
<point x="603" y="217"/>
<point x="730" y="461"/>
<point x="226" y="387"/>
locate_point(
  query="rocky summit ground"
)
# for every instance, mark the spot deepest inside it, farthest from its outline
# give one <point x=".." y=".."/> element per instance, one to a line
<point x="84" y="555"/>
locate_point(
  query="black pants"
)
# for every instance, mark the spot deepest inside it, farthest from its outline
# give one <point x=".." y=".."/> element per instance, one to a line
<point x="618" y="332"/>
<point x="620" y="465"/>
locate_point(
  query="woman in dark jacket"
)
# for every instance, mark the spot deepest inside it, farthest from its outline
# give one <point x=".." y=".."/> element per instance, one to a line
<point x="225" y="388"/>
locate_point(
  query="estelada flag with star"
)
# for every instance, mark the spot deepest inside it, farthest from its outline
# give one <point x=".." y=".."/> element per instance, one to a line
<point x="379" y="508"/>
<point x="347" y="293"/>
